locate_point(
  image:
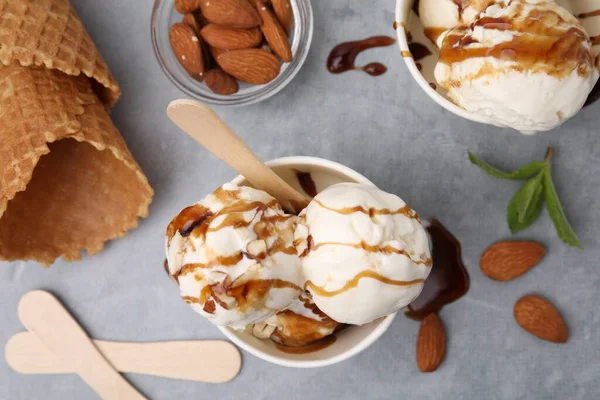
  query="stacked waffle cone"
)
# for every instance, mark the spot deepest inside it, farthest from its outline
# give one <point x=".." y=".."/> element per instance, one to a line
<point x="67" y="179"/>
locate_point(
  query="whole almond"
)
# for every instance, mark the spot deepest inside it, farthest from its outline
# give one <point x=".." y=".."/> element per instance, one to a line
<point x="216" y="52"/>
<point x="253" y="66"/>
<point x="187" y="6"/>
<point x="274" y="33"/>
<point x="192" y="20"/>
<point x="195" y="21"/>
<point x="233" y="13"/>
<point x="223" y="37"/>
<point x="188" y="49"/>
<point x="220" y="82"/>
<point x="505" y="261"/>
<point x="431" y="344"/>
<point x="540" y="318"/>
<point x="285" y="14"/>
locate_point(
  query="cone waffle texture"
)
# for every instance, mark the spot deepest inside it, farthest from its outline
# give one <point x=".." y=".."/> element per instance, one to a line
<point x="67" y="179"/>
<point x="49" y="33"/>
<point x="86" y="190"/>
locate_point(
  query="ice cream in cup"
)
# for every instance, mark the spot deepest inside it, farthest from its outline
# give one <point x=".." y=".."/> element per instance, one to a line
<point x="300" y="291"/>
<point x="525" y="64"/>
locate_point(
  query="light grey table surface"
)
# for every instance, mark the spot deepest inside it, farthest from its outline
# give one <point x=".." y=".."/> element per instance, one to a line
<point x="385" y="128"/>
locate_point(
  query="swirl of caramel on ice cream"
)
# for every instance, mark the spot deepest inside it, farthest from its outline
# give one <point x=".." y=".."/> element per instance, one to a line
<point x="543" y="40"/>
<point x="230" y="251"/>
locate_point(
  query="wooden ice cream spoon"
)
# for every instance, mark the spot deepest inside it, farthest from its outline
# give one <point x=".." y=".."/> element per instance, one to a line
<point x="201" y="123"/>
<point x="46" y="317"/>
<point x="214" y="361"/>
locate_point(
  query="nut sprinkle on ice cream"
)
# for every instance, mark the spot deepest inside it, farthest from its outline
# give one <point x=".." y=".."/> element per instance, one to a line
<point x="232" y="255"/>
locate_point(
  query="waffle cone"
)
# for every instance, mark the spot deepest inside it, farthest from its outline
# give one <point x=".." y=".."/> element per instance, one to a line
<point x="67" y="180"/>
<point x="49" y="33"/>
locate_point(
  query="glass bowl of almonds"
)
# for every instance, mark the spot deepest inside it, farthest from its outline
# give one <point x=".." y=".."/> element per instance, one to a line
<point x="231" y="52"/>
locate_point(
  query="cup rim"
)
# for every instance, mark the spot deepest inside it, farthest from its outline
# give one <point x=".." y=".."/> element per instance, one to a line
<point x="402" y="14"/>
<point x="368" y="340"/>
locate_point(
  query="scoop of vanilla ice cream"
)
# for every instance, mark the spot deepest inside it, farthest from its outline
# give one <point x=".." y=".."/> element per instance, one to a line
<point x="365" y="253"/>
<point x="524" y="64"/>
<point x="440" y="15"/>
<point x="233" y="256"/>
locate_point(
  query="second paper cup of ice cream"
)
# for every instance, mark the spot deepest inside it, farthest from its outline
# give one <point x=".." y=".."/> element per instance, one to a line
<point x="527" y="64"/>
<point x="409" y="28"/>
<point x="349" y="341"/>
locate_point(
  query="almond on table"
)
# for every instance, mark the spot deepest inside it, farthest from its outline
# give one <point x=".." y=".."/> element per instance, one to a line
<point x="540" y="318"/>
<point x="505" y="261"/>
<point x="431" y="344"/>
<point x="231" y="38"/>
<point x="188" y="49"/>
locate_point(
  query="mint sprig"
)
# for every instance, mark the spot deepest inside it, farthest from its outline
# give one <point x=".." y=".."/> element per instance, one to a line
<point x="526" y="205"/>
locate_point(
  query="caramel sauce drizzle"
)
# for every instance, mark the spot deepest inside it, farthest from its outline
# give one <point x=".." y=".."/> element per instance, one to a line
<point x="433" y="33"/>
<point x="225" y="261"/>
<point x="352" y="283"/>
<point x="297" y="330"/>
<point x="371" y="212"/>
<point x="197" y="219"/>
<point x="246" y="295"/>
<point x="307" y="183"/>
<point x="546" y="49"/>
<point x="595" y="40"/>
<point x="418" y="51"/>
<point x="187" y="220"/>
<point x="310" y="348"/>
<point x="343" y="56"/>
<point x="376" y="249"/>
<point x="230" y="261"/>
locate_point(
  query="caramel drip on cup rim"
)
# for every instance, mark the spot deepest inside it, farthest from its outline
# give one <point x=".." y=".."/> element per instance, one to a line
<point x="376" y="249"/>
<point x="352" y="283"/>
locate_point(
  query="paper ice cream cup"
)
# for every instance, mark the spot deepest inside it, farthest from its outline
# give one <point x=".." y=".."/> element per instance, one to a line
<point x="349" y="341"/>
<point x="408" y="26"/>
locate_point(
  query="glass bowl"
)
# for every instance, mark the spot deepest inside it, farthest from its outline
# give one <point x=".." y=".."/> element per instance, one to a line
<point x="164" y="15"/>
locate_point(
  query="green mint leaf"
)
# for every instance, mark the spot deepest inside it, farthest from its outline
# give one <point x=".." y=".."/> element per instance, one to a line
<point x="525" y="206"/>
<point x="557" y="214"/>
<point x="521" y="174"/>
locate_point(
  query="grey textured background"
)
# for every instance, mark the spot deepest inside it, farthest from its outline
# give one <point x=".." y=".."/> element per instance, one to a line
<point x="390" y="131"/>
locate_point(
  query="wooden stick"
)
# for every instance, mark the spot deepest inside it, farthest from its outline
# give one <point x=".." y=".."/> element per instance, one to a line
<point x="201" y="123"/>
<point x="47" y="318"/>
<point x="213" y="361"/>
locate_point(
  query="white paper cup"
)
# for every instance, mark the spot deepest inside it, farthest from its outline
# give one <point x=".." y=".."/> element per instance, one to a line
<point x="408" y="21"/>
<point x="349" y="341"/>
